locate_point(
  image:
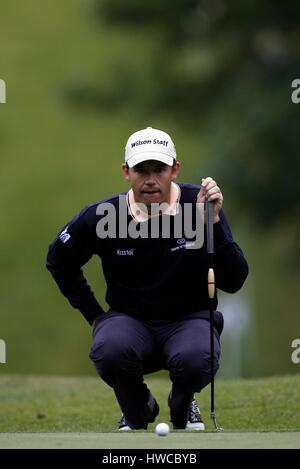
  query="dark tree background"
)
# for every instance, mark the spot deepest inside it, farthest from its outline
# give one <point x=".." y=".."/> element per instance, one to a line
<point x="225" y="67"/>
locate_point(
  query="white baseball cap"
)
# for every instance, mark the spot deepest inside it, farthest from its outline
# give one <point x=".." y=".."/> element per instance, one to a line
<point x="150" y="144"/>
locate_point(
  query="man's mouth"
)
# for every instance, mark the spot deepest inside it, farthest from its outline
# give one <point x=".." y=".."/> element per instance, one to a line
<point x="150" y="191"/>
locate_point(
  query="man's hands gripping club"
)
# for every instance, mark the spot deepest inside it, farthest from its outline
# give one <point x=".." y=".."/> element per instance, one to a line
<point x="211" y="192"/>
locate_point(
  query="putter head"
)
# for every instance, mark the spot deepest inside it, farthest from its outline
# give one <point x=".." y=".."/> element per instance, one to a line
<point x="215" y="423"/>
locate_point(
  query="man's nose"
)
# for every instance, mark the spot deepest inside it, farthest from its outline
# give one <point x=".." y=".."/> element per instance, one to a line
<point x="150" y="178"/>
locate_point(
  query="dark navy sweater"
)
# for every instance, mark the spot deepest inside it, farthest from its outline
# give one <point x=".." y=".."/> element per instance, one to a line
<point x="147" y="278"/>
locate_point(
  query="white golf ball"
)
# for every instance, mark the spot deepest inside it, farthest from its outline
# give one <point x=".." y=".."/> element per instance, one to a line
<point x="162" y="429"/>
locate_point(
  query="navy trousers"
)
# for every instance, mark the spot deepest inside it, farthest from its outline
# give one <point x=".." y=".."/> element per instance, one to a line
<point x="125" y="348"/>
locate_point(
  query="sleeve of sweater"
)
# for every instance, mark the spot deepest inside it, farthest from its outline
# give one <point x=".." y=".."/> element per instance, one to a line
<point x="70" y="250"/>
<point x="230" y="265"/>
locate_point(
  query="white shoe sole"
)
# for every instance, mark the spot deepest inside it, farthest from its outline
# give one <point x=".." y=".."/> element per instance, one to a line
<point x="124" y="429"/>
<point x="195" y="426"/>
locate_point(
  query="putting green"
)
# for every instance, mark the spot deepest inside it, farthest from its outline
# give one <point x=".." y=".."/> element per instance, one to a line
<point x="134" y="440"/>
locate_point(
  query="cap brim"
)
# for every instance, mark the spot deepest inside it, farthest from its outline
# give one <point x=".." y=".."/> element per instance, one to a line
<point x="136" y="159"/>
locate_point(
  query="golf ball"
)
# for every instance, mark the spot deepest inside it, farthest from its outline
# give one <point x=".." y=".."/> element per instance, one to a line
<point x="162" y="429"/>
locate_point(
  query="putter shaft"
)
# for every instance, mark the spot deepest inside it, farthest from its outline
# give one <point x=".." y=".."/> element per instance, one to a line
<point x="211" y="294"/>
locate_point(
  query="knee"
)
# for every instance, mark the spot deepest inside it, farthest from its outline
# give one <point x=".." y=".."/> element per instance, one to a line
<point x="193" y="365"/>
<point x="108" y="350"/>
<point x="110" y="355"/>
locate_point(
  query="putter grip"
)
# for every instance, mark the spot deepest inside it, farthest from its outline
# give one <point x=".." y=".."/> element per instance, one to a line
<point x="211" y="283"/>
<point x="210" y="227"/>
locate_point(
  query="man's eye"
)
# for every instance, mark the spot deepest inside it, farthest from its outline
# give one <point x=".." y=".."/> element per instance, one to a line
<point x="156" y="170"/>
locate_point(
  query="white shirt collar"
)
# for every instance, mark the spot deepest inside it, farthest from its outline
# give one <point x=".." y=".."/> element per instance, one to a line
<point x="140" y="215"/>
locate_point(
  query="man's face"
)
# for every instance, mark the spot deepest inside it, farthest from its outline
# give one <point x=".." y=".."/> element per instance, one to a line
<point x="151" y="181"/>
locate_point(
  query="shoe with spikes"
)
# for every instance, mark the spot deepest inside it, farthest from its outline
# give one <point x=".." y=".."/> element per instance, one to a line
<point x="195" y="421"/>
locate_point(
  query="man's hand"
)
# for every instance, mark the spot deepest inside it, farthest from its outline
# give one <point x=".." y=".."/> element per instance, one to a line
<point x="211" y="192"/>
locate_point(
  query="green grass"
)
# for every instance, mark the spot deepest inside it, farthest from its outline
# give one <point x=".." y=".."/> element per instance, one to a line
<point x="60" y="404"/>
<point x="144" y="440"/>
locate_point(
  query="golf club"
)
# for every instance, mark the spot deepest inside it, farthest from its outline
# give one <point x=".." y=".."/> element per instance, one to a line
<point x="209" y="212"/>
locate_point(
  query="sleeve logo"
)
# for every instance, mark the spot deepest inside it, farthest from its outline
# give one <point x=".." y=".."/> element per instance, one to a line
<point x="64" y="235"/>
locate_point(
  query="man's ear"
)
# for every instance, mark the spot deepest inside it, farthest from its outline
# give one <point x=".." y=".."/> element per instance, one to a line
<point x="175" y="170"/>
<point x="125" y="171"/>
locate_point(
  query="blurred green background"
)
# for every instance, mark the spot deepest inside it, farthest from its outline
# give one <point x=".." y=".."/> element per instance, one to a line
<point x="81" y="76"/>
